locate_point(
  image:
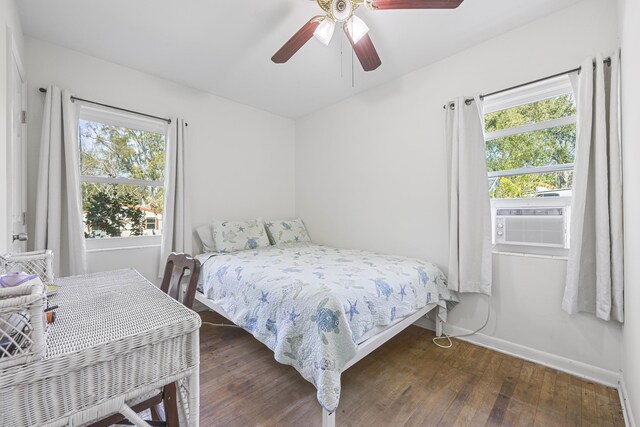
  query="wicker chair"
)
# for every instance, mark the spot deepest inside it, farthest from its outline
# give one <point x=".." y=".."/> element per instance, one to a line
<point x="164" y="404"/>
<point x="37" y="262"/>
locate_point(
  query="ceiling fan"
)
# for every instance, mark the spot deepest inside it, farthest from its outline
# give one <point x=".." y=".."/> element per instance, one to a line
<point x="343" y="11"/>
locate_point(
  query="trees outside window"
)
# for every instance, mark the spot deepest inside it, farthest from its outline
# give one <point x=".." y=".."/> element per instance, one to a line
<point x="122" y="174"/>
<point x="530" y="148"/>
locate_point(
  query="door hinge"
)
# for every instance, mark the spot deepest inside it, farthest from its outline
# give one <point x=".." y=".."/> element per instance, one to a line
<point x="23" y="117"/>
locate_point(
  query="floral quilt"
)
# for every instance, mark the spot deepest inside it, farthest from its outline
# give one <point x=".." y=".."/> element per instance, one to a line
<point x="313" y="304"/>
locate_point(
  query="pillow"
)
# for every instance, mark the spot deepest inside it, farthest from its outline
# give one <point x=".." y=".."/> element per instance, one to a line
<point x="233" y="236"/>
<point x="205" y="234"/>
<point x="288" y="231"/>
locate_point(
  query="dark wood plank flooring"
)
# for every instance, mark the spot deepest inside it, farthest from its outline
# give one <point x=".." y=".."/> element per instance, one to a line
<point x="407" y="382"/>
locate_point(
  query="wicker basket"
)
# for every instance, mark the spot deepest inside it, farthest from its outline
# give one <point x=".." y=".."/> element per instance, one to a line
<point x="37" y="262"/>
<point x="22" y="323"/>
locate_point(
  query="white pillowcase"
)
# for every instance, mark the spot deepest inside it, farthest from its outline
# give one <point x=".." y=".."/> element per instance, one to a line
<point x="233" y="236"/>
<point x="287" y="231"/>
<point x="205" y="234"/>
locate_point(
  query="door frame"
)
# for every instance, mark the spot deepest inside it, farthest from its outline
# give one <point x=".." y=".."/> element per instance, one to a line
<point x="13" y="57"/>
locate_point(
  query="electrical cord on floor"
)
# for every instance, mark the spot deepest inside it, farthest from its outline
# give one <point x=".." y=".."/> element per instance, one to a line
<point x="448" y="337"/>
<point x="220" y="325"/>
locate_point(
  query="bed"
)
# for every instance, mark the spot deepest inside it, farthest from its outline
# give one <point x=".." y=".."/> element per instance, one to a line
<point x="322" y="309"/>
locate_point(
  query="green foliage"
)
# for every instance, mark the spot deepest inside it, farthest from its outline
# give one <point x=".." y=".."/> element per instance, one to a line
<point x="136" y="221"/>
<point x="105" y="213"/>
<point x="121" y="152"/>
<point x="109" y="212"/>
<point x="552" y="146"/>
<point x="112" y="151"/>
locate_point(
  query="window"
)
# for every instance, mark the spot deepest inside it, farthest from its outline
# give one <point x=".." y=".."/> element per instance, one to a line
<point x="152" y="224"/>
<point x="530" y="136"/>
<point x="121" y="173"/>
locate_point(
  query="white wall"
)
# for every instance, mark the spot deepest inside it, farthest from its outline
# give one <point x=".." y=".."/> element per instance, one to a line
<point x="371" y="174"/>
<point x="9" y="29"/>
<point x="240" y="159"/>
<point x="630" y="35"/>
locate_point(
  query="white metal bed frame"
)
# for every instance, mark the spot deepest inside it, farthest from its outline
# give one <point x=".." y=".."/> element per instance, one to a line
<point x="364" y="349"/>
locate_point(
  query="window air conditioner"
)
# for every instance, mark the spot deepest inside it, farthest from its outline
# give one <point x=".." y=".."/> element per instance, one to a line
<point x="531" y="226"/>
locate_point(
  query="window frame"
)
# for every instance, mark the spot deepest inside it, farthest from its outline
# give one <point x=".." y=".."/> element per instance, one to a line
<point x="113" y="117"/>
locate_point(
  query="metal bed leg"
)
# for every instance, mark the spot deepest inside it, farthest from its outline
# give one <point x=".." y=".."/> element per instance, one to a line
<point x="328" y="419"/>
<point x="439" y="323"/>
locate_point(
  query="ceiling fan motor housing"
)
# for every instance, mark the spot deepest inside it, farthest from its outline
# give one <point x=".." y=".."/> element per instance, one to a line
<point x="338" y="10"/>
<point x="341" y="10"/>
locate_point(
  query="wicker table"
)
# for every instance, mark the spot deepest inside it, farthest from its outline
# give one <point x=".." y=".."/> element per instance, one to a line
<point x="117" y="337"/>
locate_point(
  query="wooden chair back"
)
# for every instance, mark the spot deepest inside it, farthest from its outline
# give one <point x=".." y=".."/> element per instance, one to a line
<point x="177" y="265"/>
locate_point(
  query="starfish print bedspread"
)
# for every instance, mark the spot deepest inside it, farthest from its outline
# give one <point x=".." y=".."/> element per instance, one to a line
<point x="312" y="305"/>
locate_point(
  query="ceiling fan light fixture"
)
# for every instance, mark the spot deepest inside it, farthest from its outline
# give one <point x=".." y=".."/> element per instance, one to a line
<point x="324" y="32"/>
<point x="357" y="28"/>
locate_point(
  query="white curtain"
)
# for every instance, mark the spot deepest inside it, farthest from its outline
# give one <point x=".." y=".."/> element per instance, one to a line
<point x="595" y="267"/>
<point x="469" y="207"/>
<point x="59" y="224"/>
<point x="176" y="232"/>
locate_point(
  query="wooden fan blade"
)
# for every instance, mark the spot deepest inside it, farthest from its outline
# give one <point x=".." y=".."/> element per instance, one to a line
<point x="415" y="4"/>
<point x="298" y="40"/>
<point x="365" y="51"/>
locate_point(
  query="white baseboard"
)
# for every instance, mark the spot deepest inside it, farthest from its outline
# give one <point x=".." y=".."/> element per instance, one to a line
<point x="579" y="369"/>
<point x="626" y="407"/>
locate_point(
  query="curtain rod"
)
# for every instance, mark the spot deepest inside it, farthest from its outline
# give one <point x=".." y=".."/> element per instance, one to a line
<point x="483" y="96"/>
<point x="74" y="98"/>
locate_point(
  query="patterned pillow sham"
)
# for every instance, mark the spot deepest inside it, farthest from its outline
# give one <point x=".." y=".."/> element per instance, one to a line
<point x="205" y="234"/>
<point x="287" y="231"/>
<point x="233" y="236"/>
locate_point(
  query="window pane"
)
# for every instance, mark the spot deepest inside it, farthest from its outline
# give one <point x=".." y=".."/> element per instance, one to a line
<point x="554" y="146"/>
<point x="533" y="185"/>
<point x="113" y="151"/>
<point x="112" y="210"/>
<point x="540" y="111"/>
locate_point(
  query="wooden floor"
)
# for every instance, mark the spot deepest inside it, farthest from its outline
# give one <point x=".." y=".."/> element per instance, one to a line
<point x="407" y="382"/>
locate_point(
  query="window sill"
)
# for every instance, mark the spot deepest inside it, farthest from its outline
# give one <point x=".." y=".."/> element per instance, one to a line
<point x="122" y="243"/>
<point x="123" y="248"/>
<point x="529" y="255"/>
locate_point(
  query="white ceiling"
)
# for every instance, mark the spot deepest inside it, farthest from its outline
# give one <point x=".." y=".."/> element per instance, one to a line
<point x="224" y="47"/>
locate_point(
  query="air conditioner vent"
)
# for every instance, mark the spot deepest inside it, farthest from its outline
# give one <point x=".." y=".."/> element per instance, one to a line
<point x="530" y="212"/>
<point x="531" y="226"/>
